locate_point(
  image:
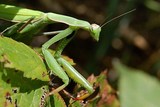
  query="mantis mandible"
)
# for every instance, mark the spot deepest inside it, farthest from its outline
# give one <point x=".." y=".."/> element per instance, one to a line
<point x="37" y="21"/>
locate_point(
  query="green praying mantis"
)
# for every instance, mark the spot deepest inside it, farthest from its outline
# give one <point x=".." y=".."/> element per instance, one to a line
<point x="30" y="22"/>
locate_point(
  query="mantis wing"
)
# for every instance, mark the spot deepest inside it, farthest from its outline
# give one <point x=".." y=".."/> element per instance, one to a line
<point x="17" y="14"/>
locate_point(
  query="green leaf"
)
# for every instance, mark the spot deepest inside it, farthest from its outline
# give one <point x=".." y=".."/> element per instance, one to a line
<point x="5" y="90"/>
<point x="16" y="79"/>
<point x="29" y="92"/>
<point x="137" y="89"/>
<point x="27" y="89"/>
<point x="57" y="101"/>
<point x="28" y="99"/>
<point x="21" y="57"/>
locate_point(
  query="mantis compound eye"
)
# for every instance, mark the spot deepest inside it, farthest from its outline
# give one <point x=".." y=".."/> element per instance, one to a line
<point x="95" y="26"/>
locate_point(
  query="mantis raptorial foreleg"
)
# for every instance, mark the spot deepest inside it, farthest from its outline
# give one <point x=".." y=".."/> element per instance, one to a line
<point x="51" y="61"/>
<point x="57" y="59"/>
<point x="70" y="70"/>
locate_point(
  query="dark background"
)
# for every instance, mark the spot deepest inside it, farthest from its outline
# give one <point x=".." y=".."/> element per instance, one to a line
<point x="134" y="38"/>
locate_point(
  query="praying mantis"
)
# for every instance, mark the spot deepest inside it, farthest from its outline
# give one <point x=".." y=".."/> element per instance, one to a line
<point x="30" y="22"/>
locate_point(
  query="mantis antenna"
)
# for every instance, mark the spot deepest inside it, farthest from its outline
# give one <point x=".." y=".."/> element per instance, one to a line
<point x="117" y="17"/>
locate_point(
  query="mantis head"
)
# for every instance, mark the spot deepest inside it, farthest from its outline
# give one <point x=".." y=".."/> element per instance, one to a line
<point x="95" y="31"/>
